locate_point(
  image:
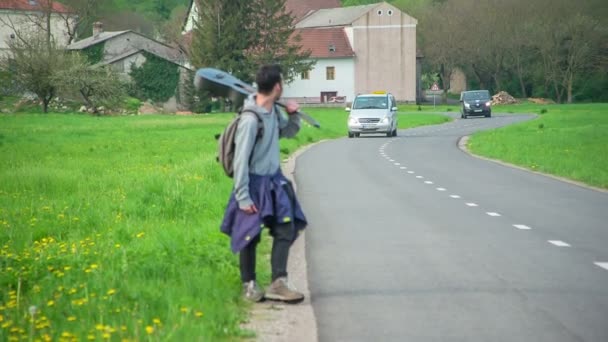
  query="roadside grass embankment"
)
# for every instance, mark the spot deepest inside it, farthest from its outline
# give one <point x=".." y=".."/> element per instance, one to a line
<point x="109" y="227"/>
<point x="569" y="141"/>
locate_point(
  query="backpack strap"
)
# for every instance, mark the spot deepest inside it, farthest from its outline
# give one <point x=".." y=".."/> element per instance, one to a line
<point x="260" y="130"/>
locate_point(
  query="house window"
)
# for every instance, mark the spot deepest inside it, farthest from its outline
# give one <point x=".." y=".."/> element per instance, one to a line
<point x="330" y="73"/>
<point x="332" y="48"/>
<point x="305" y="75"/>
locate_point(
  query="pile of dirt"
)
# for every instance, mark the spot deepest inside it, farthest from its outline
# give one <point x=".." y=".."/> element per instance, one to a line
<point x="503" y="98"/>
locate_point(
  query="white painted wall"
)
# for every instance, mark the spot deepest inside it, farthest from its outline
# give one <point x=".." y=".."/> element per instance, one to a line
<point x="24" y="23"/>
<point x="344" y="82"/>
<point x="191" y="18"/>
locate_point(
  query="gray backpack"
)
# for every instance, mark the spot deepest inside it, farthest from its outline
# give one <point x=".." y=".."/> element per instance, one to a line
<point x="226" y="145"/>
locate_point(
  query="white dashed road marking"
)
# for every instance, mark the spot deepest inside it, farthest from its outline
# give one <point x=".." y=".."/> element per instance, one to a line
<point x="391" y="160"/>
<point x="419" y="177"/>
<point x="455" y="196"/>
<point x="411" y="172"/>
<point x="493" y="214"/>
<point x="441" y="189"/>
<point x="521" y="226"/>
<point x="428" y="182"/>
<point x="397" y="164"/>
<point x="472" y="205"/>
<point x="403" y="168"/>
<point x="603" y="265"/>
<point x="559" y="243"/>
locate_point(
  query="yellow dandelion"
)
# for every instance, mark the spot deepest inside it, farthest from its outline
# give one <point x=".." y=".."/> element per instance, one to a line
<point x="150" y="330"/>
<point x="117" y="245"/>
<point x="91" y="337"/>
<point x="111" y="292"/>
<point x="184" y="310"/>
<point x="198" y="314"/>
<point x="140" y="235"/>
<point x="72" y="291"/>
<point x="88" y="270"/>
<point x="99" y="327"/>
<point x="106" y="336"/>
<point x="71" y="319"/>
<point x="6" y="324"/>
<point x="94" y="266"/>
<point x="156" y="321"/>
<point x="67" y="268"/>
<point x="50" y="303"/>
<point x="46" y="337"/>
<point x="1" y="318"/>
<point x="123" y="328"/>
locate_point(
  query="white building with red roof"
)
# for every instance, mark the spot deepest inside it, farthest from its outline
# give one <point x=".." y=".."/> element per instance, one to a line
<point x="358" y="49"/>
<point x="18" y="18"/>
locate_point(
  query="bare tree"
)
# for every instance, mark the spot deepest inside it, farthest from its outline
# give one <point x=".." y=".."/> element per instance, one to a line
<point x="443" y="39"/>
<point x="33" y="62"/>
<point x="96" y="85"/>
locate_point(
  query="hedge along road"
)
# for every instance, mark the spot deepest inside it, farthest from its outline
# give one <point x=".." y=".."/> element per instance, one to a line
<point x="412" y="239"/>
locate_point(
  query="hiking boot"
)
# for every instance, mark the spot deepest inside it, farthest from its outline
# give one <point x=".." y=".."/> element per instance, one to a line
<point x="252" y="292"/>
<point x="281" y="290"/>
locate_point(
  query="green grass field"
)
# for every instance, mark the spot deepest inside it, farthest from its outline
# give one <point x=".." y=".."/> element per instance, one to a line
<point x="565" y="140"/>
<point x="109" y="226"/>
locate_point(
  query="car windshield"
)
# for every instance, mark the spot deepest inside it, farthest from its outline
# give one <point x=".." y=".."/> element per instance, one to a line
<point x="476" y="95"/>
<point x="371" y="102"/>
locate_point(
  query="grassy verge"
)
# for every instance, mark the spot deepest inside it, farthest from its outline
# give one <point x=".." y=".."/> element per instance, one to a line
<point x="109" y="227"/>
<point x="565" y="140"/>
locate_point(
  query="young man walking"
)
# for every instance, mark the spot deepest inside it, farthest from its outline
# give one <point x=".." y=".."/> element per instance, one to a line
<point x="262" y="196"/>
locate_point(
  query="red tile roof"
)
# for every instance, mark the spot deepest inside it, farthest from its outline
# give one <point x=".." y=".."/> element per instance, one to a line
<point x="300" y="8"/>
<point x="33" y="5"/>
<point x="319" y="40"/>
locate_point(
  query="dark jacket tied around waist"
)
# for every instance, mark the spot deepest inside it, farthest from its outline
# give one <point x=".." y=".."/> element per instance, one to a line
<point x="276" y="202"/>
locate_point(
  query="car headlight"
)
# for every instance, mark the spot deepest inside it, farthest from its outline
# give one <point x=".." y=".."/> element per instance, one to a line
<point x="467" y="106"/>
<point x="385" y="120"/>
<point x="353" y="121"/>
<point x="488" y="104"/>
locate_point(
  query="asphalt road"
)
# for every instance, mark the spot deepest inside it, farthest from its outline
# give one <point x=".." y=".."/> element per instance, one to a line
<point x="411" y="239"/>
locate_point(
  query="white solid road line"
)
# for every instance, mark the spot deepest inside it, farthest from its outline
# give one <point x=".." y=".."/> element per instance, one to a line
<point x="603" y="265"/>
<point x="455" y="196"/>
<point x="521" y="226"/>
<point x="493" y="214"/>
<point x="559" y="243"/>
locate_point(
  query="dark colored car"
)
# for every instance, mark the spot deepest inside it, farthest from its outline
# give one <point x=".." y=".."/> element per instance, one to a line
<point x="475" y="103"/>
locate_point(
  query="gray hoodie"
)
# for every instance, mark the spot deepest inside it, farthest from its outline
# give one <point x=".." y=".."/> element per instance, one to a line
<point x="266" y="152"/>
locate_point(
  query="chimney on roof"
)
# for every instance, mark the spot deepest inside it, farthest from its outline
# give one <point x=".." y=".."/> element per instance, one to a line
<point x="97" y="29"/>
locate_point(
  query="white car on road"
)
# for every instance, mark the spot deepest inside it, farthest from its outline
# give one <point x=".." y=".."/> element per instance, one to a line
<point x="373" y="113"/>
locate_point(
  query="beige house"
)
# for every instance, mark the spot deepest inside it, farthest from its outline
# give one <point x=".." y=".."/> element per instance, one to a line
<point x="357" y="49"/>
<point x="18" y="18"/>
<point x="371" y="48"/>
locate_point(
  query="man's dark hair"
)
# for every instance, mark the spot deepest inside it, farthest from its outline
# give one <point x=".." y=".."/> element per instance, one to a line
<point x="268" y="76"/>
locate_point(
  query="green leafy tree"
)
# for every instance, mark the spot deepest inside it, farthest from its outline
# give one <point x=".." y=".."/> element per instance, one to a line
<point x="274" y="40"/>
<point x="238" y="36"/>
